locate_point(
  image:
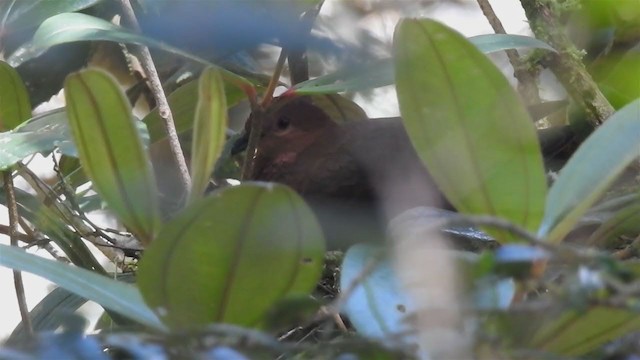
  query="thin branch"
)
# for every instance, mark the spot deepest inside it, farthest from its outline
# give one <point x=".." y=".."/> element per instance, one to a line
<point x="12" y="207"/>
<point x="297" y="51"/>
<point x="161" y="100"/>
<point x="257" y="113"/>
<point x="526" y="79"/>
<point x="44" y="194"/>
<point x="567" y="63"/>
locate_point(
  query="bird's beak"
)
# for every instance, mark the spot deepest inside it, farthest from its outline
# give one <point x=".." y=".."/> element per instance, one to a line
<point x="240" y="144"/>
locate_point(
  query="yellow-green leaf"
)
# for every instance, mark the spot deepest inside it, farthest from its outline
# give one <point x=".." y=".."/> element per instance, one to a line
<point x="208" y="130"/>
<point x="231" y="256"/>
<point x="111" y="151"/>
<point x="15" y="107"/>
<point x="468" y="125"/>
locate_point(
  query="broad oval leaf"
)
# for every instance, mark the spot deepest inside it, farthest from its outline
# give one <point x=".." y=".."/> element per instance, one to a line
<point x="232" y="255"/>
<point x="111" y="151"/>
<point x="15" y="106"/>
<point x="377" y="306"/>
<point x="209" y="130"/>
<point x="596" y="163"/>
<point x="71" y="27"/>
<point x="112" y="294"/>
<point x="468" y="125"/>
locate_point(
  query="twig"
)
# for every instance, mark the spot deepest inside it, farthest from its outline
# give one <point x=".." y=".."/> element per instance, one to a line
<point x="161" y="100"/>
<point x="297" y="54"/>
<point x="526" y="80"/>
<point x="37" y="239"/>
<point x="44" y="193"/>
<point x="12" y="207"/>
<point x="257" y="113"/>
<point x="567" y="64"/>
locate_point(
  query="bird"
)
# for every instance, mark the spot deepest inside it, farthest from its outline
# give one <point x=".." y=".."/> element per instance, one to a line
<point x="355" y="175"/>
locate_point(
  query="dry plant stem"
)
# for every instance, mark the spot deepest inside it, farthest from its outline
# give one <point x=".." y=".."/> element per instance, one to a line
<point x="44" y="194"/>
<point x="12" y="206"/>
<point x="566" y="64"/>
<point x="257" y="113"/>
<point x="526" y="79"/>
<point x="161" y="100"/>
<point x="36" y="238"/>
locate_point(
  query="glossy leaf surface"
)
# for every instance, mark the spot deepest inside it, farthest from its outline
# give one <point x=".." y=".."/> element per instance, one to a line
<point x="71" y="27"/>
<point x="117" y="296"/>
<point x="381" y="73"/>
<point x="593" y="167"/>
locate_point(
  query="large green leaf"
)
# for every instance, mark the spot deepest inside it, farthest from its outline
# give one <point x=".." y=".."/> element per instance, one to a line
<point x="14" y="99"/>
<point x="468" y="125"/>
<point x="111" y="294"/>
<point x="30" y="13"/>
<point x="72" y="27"/>
<point x="209" y="130"/>
<point x="596" y="163"/>
<point x="111" y="151"/>
<point x="381" y="72"/>
<point x="231" y="256"/>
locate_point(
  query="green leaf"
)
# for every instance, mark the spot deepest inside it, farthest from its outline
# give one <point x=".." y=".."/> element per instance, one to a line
<point x="596" y="163"/>
<point x="42" y="134"/>
<point x="622" y="222"/>
<point x="26" y="14"/>
<point x="468" y="125"/>
<point x="381" y="72"/>
<point x="230" y="256"/>
<point x="490" y="43"/>
<point x="72" y="27"/>
<point x="576" y="333"/>
<point x="208" y="131"/>
<point x="48" y="220"/>
<point x="111" y="294"/>
<point x="183" y="102"/>
<point x="110" y="150"/>
<point x="15" y="106"/>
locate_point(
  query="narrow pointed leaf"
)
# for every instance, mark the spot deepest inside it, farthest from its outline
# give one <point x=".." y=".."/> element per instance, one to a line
<point x="229" y="257"/>
<point x="183" y="103"/>
<point x="468" y="125"/>
<point x="42" y="134"/>
<point x="576" y="333"/>
<point x="30" y="13"/>
<point x="14" y="99"/>
<point x="209" y="130"/>
<point x="596" y="163"/>
<point x="71" y="27"/>
<point x="380" y="73"/>
<point x="112" y="294"/>
<point x="111" y="151"/>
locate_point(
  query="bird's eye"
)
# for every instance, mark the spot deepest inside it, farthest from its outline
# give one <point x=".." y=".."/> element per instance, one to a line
<point x="283" y="123"/>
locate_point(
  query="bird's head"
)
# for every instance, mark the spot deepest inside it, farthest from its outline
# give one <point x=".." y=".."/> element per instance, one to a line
<point x="289" y="126"/>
